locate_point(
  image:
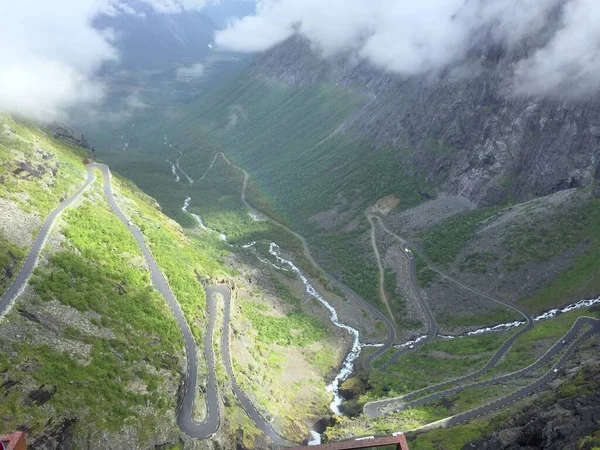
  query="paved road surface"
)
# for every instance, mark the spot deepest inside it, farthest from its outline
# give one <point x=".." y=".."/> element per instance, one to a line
<point x="503" y="348"/>
<point x="30" y="262"/>
<point x="520" y="393"/>
<point x="388" y="403"/>
<point x="430" y="318"/>
<point x="391" y="330"/>
<point x="211" y="423"/>
<point x="261" y="423"/>
<point x="382" y="407"/>
<point x="382" y="292"/>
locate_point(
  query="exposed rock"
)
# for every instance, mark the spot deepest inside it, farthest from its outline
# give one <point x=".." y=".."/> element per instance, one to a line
<point x="7" y="271"/>
<point x="559" y="427"/>
<point x="61" y="131"/>
<point x="29" y="316"/>
<point x="29" y="365"/>
<point x="466" y="134"/>
<point x="29" y="169"/>
<point x="121" y="288"/>
<point x="41" y="395"/>
<point x="352" y="388"/>
<point x="16" y="225"/>
<point x="55" y="436"/>
<point x="7" y="385"/>
<point x="7" y="130"/>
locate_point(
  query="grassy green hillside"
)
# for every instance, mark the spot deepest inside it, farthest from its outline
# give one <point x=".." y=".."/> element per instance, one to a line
<point x="317" y="177"/>
<point x="91" y="352"/>
<point x="299" y="164"/>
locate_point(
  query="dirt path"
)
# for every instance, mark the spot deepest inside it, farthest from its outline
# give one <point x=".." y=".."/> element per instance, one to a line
<point x="382" y="293"/>
<point x="377" y="314"/>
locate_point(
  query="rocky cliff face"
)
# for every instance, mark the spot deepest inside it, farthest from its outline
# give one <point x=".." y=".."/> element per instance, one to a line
<point x="62" y="131"/>
<point x="465" y="133"/>
<point x="570" y="423"/>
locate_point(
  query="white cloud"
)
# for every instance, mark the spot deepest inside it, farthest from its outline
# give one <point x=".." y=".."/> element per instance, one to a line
<point x="47" y="55"/>
<point x="177" y="6"/>
<point x="410" y="37"/>
<point x="190" y="72"/>
<point x="50" y="51"/>
<point x="571" y="60"/>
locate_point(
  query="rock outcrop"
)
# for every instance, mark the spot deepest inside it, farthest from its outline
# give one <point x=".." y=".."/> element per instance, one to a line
<point x="468" y="135"/>
<point x="557" y="424"/>
<point x="559" y="427"/>
<point x="63" y="132"/>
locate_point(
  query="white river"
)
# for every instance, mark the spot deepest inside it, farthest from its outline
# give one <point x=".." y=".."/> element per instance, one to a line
<point x="186" y="205"/>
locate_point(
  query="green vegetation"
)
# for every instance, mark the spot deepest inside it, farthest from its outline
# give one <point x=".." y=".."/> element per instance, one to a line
<point x="443" y="242"/>
<point x="434" y="362"/>
<point x="59" y="175"/>
<point x="284" y="356"/>
<point x="541" y="241"/>
<point x="583" y="279"/>
<point x="11" y="257"/>
<point x="531" y="345"/>
<point x="457" y="437"/>
<point x="496" y="316"/>
<point x="246" y="120"/>
<point x="397" y="301"/>
<point x="477" y="262"/>
<point x="425" y="275"/>
<point x="345" y="259"/>
<point x="182" y="258"/>
<point x="99" y="275"/>
<point x="297" y="329"/>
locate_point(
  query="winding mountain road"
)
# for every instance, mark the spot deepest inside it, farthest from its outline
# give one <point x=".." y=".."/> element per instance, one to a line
<point x="185" y="420"/>
<point x="391" y="330"/>
<point x="20" y="281"/>
<point x="382" y="292"/>
<point x="252" y="411"/>
<point x="520" y="393"/>
<point x="503" y="348"/>
<point x="430" y="318"/>
<point x="209" y="426"/>
<point x="388" y="404"/>
<point x="382" y="407"/>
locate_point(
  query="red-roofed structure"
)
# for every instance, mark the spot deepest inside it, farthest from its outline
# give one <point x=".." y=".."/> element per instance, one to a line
<point x="14" y="441"/>
<point x="398" y="440"/>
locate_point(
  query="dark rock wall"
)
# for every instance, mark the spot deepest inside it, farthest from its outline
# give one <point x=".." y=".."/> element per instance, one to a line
<point x="464" y="131"/>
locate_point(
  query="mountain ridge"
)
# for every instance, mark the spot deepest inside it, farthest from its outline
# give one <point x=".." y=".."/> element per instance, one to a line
<point x="500" y="145"/>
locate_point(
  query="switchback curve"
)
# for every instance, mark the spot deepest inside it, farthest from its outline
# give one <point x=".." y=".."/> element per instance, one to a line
<point x="520" y="393"/>
<point x="210" y="425"/>
<point x="391" y="330"/>
<point x="380" y="408"/>
<point x="431" y="322"/>
<point x="503" y="348"/>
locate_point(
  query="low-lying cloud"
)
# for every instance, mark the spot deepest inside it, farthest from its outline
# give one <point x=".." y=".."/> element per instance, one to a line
<point x="46" y="59"/>
<point x="50" y="51"/>
<point x="190" y="73"/>
<point x="411" y="38"/>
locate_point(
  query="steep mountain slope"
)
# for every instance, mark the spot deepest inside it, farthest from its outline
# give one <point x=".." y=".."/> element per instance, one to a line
<point x="451" y="182"/>
<point x="91" y="354"/>
<point x="326" y="140"/>
<point x="465" y="133"/>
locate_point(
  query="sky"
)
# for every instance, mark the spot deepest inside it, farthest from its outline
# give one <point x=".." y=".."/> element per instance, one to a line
<point x="50" y="51"/>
